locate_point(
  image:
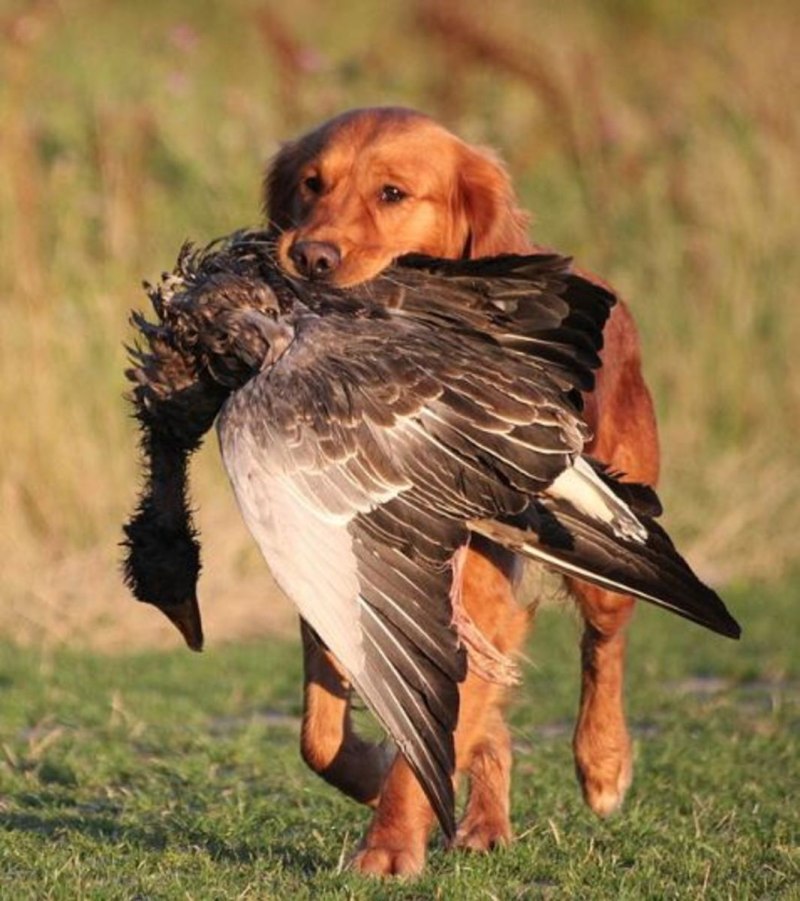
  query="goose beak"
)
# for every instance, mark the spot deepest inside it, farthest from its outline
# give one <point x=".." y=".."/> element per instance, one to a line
<point x="186" y="618"/>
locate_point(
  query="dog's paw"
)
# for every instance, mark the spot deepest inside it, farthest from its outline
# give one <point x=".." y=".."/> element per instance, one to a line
<point x="380" y="861"/>
<point x="606" y="777"/>
<point x="482" y="834"/>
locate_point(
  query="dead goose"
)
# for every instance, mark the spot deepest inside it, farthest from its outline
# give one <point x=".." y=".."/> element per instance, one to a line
<point x="366" y="434"/>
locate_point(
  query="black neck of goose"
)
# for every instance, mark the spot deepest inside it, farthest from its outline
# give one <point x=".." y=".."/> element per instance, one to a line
<point x="162" y="563"/>
<point x="163" y="554"/>
<point x="176" y="401"/>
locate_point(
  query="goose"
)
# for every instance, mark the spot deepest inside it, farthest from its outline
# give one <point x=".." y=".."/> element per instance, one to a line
<point x="367" y="433"/>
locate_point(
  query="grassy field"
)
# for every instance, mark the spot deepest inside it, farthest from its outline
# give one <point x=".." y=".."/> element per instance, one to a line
<point x="657" y="141"/>
<point x="171" y="775"/>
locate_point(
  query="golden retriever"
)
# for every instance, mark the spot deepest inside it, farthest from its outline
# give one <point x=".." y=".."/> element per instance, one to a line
<point x="345" y="200"/>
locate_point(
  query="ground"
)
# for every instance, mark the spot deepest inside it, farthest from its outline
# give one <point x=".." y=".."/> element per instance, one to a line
<point x="176" y="775"/>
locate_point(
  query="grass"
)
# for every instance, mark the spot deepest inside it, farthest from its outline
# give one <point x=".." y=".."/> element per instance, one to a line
<point x="168" y="775"/>
<point x="655" y="141"/>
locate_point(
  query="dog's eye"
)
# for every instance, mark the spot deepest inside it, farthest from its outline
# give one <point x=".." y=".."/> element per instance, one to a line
<point x="313" y="183"/>
<point x="392" y="194"/>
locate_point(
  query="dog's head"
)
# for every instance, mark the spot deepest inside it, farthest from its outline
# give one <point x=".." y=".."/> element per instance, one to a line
<point x="374" y="184"/>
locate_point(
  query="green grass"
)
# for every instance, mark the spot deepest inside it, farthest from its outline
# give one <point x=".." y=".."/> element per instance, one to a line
<point x="171" y="775"/>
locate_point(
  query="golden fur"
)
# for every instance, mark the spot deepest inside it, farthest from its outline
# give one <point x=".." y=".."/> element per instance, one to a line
<point x="347" y="199"/>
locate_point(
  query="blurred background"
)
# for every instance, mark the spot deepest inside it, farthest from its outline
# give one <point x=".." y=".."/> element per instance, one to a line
<point x="657" y="141"/>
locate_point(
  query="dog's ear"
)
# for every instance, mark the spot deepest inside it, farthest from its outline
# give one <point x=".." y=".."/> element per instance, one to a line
<point x="279" y="191"/>
<point x="487" y="202"/>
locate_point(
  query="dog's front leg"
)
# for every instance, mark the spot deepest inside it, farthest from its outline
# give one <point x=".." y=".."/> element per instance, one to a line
<point x="328" y="742"/>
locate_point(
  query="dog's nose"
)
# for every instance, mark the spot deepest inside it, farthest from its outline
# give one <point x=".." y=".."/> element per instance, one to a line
<point x="315" y="259"/>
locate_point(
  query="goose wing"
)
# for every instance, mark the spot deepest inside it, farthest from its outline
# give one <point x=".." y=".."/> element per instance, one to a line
<point x="533" y="305"/>
<point x="356" y="459"/>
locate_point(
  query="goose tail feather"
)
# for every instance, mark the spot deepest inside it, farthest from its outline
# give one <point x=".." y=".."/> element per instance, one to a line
<point x="576" y="542"/>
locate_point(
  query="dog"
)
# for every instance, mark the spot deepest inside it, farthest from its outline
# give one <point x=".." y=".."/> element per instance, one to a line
<point x="343" y="201"/>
